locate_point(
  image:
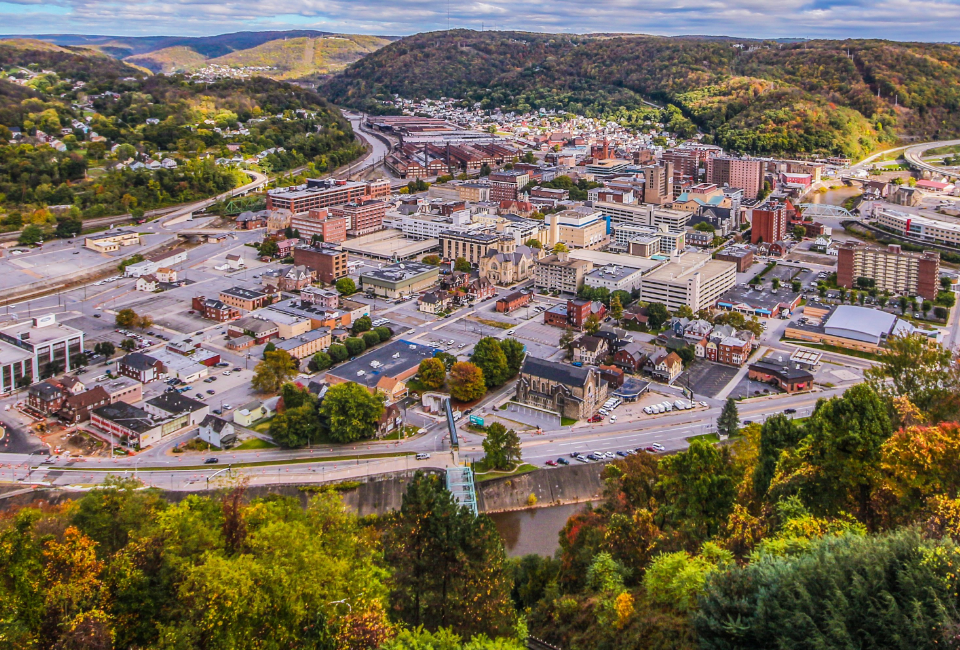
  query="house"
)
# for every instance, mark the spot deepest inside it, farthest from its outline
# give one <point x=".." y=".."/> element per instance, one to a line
<point x="632" y="356"/>
<point x="320" y="297"/>
<point x="46" y="397"/>
<point x="612" y="375"/>
<point x="296" y="278"/>
<point x="559" y="388"/>
<point x="252" y="220"/>
<point x="166" y="275"/>
<point x="389" y="421"/>
<point x="697" y="329"/>
<point x="235" y="261"/>
<point x="589" y="349"/>
<point x="666" y="367"/>
<point x="394" y="389"/>
<point x="217" y="432"/>
<point x="259" y="329"/>
<point x="71" y="385"/>
<point x="251" y="412"/>
<point x="734" y="351"/>
<point x="635" y="314"/>
<point x="480" y="289"/>
<point x="76" y="408"/>
<point x="147" y="283"/>
<point x="139" y="366"/>
<point x="434" y="302"/>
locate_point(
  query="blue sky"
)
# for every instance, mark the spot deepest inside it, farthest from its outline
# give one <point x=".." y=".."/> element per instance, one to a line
<point x="927" y="20"/>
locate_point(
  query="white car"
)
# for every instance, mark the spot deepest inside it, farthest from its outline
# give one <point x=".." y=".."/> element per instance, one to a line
<point x="613" y="418"/>
<point x="658" y="446"/>
<point x="226" y="373"/>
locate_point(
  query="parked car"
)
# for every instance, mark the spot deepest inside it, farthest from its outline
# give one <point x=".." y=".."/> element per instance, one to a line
<point x="562" y="461"/>
<point x="551" y="463"/>
<point x="622" y="454"/>
<point x="211" y="461"/>
<point x="658" y="446"/>
<point x="210" y="392"/>
<point x="423" y="456"/>
<point x="582" y="459"/>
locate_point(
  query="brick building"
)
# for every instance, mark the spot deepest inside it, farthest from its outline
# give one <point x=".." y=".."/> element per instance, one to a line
<point x="513" y="301"/>
<point x="890" y="269"/>
<point x="323" y="193"/>
<point x="769" y="223"/>
<point x="212" y="309"/>
<point x="329" y="263"/>
<point x="743" y="173"/>
<point x="362" y="217"/>
<point x="506" y="185"/>
<point x="246" y="299"/>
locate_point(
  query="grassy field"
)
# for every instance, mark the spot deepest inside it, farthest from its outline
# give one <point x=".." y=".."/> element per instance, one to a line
<point x="254" y="443"/>
<point x="492" y="323"/>
<point x="709" y="437"/>
<point x="567" y="422"/>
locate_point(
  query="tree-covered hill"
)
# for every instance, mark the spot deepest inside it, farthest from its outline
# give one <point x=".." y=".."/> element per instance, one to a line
<point x="762" y="97"/>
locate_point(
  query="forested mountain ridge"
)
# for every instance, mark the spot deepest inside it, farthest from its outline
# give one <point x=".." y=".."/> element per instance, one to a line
<point x="761" y="97"/>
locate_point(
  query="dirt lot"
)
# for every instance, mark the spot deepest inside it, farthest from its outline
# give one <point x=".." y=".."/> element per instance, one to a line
<point x="77" y="443"/>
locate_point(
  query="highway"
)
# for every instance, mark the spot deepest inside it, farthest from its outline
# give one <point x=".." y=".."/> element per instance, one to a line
<point x="914" y="153"/>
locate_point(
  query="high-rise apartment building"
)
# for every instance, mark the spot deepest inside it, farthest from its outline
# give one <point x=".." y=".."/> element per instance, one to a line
<point x="890" y="269"/>
<point x="744" y="173"/>
<point x="506" y="185"/>
<point x="363" y="217"/>
<point x="768" y="223"/>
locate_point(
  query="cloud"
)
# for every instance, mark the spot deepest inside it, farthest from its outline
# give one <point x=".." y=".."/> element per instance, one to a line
<point x="928" y="20"/>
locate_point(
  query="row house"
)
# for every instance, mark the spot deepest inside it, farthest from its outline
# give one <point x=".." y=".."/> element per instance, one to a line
<point x="76" y="408"/>
<point x="665" y="367"/>
<point x="632" y="357"/>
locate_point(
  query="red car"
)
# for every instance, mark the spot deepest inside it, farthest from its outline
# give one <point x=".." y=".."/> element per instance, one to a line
<point x="551" y="463"/>
<point x="650" y="450"/>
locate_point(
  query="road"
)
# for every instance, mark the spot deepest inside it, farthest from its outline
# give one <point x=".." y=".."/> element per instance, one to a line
<point x="914" y="153"/>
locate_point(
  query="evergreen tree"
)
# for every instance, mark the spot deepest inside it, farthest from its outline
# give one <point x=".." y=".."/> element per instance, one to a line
<point x="728" y="423"/>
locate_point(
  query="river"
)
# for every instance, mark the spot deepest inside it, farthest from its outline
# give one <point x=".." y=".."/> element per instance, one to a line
<point x="535" y="530"/>
<point x="833" y="197"/>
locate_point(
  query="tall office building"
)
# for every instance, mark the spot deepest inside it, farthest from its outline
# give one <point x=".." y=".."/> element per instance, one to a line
<point x="658" y="183"/>
<point x="768" y="223"/>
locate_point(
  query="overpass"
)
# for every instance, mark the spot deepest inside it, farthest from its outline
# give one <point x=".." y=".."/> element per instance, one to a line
<point x="824" y="210"/>
<point x="913" y="157"/>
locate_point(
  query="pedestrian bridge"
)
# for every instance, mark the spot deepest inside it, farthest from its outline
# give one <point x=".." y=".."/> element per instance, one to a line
<point x="824" y="210"/>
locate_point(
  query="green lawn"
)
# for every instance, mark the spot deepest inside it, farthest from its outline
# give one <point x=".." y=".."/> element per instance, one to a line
<point x="709" y="437"/>
<point x="567" y="422"/>
<point x="493" y="323"/>
<point x="525" y="468"/>
<point x="254" y="443"/>
<point x="263" y="426"/>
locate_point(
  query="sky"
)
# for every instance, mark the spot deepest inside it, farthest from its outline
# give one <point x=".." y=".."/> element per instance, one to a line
<point x="925" y="20"/>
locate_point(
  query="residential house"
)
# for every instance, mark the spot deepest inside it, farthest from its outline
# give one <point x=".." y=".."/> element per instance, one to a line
<point x="513" y="301"/>
<point x="589" y="350"/>
<point x="734" y="351"/>
<point x="666" y="367"/>
<point x="147" y="283"/>
<point x="434" y="302"/>
<point x="632" y="357"/>
<point x="251" y="412"/>
<point x="392" y="388"/>
<point x="76" y="408"/>
<point x="217" y="432"/>
<point x="612" y="375"/>
<point x="574" y="314"/>
<point x="46" y="397"/>
<point x="212" y="309"/>
<point x="297" y="278"/>
<point x="166" y="275"/>
<point x="173" y="404"/>
<point x="235" y="261"/>
<point x="139" y="366"/>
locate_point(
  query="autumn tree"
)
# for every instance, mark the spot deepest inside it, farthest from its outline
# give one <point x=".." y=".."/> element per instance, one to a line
<point x="616" y="308"/>
<point x="466" y="382"/>
<point x="277" y="368"/>
<point x="126" y="318"/>
<point x="432" y="373"/>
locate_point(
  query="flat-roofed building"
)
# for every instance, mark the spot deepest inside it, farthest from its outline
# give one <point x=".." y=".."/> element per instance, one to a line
<point x="404" y="278"/>
<point x="323" y="193"/>
<point x="505" y="185"/>
<point x="744" y="173"/>
<point x="920" y="227"/>
<point x="329" y="263"/>
<point x="691" y="279"/>
<point x="364" y="217"/>
<point x="560" y="273"/>
<point x="306" y="344"/>
<point x="243" y="298"/>
<point x="43" y="341"/>
<point x="111" y="240"/>
<point x="614" y="278"/>
<point x="579" y="228"/>
<point x="889" y="269"/>
<point x="739" y="255"/>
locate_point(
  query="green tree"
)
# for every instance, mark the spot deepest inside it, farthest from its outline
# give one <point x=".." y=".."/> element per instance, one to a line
<point x="384" y="333"/>
<point x="126" y="318"/>
<point x="30" y="235"/>
<point x="433" y="374"/>
<point x="775" y="284"/>
<point x="432" y="260"/>
<point x="533" y="243"/>
<point x="338" y="352"/>
<point x="704" y="226"/>
<point x="269" y="248"/>
<point x="448" y="565"/>
<point x="697" y="490"/>
<point x="370" y="339"/>
<point x="128" y="345"/>
<point x="346" y="286"/>
<point x="799" y="232"/>
<point x="678" y="579"/>
<point x="560" y="247"/>
<point x="489" y="357"/>
<point x="296" y="426"/>
<point x="657" y="315"/>
<point x="777" y="434"/>
<point x="920" y="369"/>
<point x="362" y="324"/>
<point x="351" y="412"/>
<point x="466" y="382"/>
<point x="796" y="286"/>
<point x="104" y="348"/>
<point x="904" y="303"/>
<point x="501" y="447"/>
<point x="513" y="351"/>
<point x="276" y="369"/>
<point x="354" y="345"/>
<point x="269" y="347"/>
<point x="319" y="362"/>
<point x="461" y="264"/>
<point x="447" y="359"/>
<point x="729" y="421"/>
